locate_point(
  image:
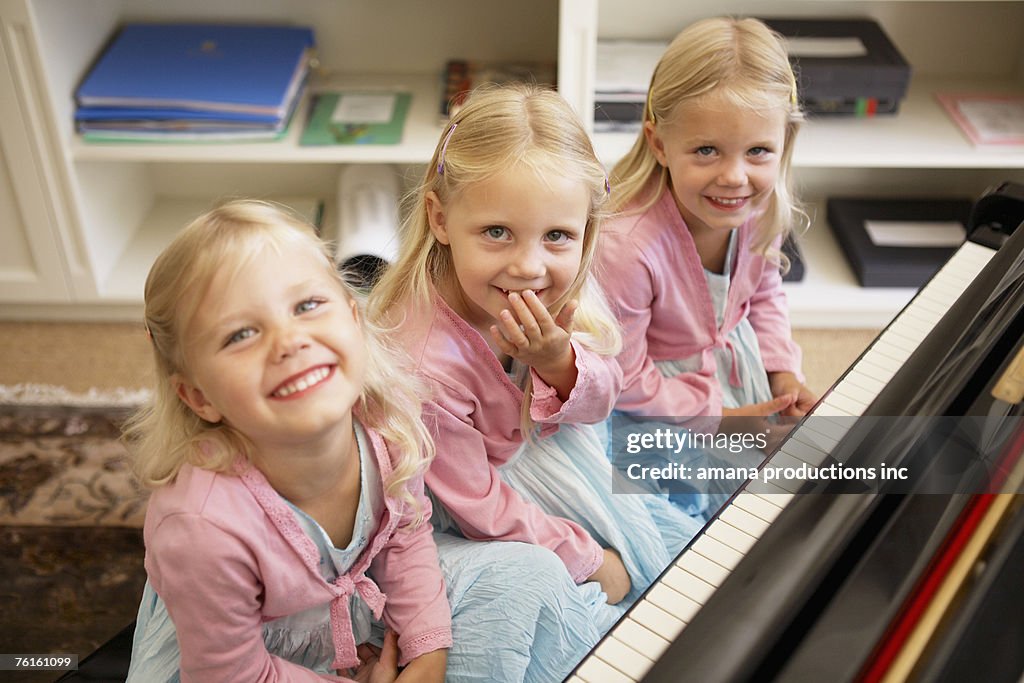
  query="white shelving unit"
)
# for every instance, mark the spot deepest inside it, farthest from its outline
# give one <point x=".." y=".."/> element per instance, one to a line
<point x="85" y="221"/>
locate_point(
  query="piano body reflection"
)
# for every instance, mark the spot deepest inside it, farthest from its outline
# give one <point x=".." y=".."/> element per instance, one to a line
<point x="888" y="585"/>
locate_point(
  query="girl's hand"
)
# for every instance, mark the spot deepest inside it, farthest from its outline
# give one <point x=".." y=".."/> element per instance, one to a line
<point x="612" y="576"/>
<point x="786" y="384"/>
<point x="529" y="334"/>
<point x="379" y="665"/>
<point x="764" y="409"/>
<point x="427" y="668"/>
<point x="752" y="419"/>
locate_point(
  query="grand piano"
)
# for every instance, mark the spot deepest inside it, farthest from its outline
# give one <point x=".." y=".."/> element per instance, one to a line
<point x="911" y="579"/>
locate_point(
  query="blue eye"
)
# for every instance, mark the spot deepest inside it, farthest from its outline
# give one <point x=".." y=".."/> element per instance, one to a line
<point x="496" y="232"/>
<point x="759" y="151"/>
<point x="240" y="335"/>
<point x="308" y="305"/>
<point x="558" y="236"/>
<point x="705" y="151"/>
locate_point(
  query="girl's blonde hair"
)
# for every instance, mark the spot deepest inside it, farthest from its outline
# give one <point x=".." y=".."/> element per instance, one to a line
<point x="742" y="61"/>
<point x="499" y="128"/>
<point x="165" y="433"/>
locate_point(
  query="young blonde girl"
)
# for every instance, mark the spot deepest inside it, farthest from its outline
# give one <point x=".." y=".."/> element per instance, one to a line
<point x="492" y="295"/>
<point x="286" y="467"/>
<point x="691" y="262"/>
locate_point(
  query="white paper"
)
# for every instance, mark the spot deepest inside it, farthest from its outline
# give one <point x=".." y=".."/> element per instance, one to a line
<point x="995" y="118"/>
<point x="626" y="65"/>
<point x="364" y="108"/>
<point x="808" y="46"/>
<point x="915" y="233"/>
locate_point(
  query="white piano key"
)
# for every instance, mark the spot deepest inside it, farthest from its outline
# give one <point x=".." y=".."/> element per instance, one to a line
<point x="593" y="670"/>
<point x="643" y="640"/>
<point x="774" y="499"/>
<point x="757" y="506"/>
<point x="717" y="552"/>
<point x="852" y="406"/>
<point x="887" y="346"/>
<point x="625" y="659"/>
<point x="809" y="454"/>
<point x="824" y="430"/>
<point x="866" y="367"/>
<point x="673" y="602"/>
<point x="862" y="381"/>
<point x="929" y="306"/>
<point x="655" y="619"/>
<point x="816" y="439"/>
<point x="767" y="488"/>
<point x="882" y="361"/>
<point x="731" y="536"/>
<point x="689" y="585"/>
<point x="829" y="408"/>
<point x="576" y="679"/>
<point x="695" y="563"/>
<point x="744" y="521"/>
<point x="855" y="393"/>
<point x="784" y="459"/>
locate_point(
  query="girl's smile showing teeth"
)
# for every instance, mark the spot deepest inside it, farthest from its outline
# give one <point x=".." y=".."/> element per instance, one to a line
<point x="727" y="202"/>
<point x="304" y="381"/>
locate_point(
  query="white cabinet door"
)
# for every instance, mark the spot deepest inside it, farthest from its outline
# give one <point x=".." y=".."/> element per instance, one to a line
<point x="31" y="265"/>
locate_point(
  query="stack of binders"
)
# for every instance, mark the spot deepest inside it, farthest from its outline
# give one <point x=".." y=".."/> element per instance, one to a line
<point x="195" y="82"/>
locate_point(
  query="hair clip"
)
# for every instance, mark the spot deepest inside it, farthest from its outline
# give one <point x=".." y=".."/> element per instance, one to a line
<point x="444" y="149"/>
<point x="607" y="186"/>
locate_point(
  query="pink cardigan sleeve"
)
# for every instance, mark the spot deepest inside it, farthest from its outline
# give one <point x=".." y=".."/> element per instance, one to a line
<point x="407" y="571"/>
<point x="628" y="280"/>
<point x="598" y="382"/>
<point x="483" y="505"/>
<point x="214" y="601"/>
<point x="769" y="316"/>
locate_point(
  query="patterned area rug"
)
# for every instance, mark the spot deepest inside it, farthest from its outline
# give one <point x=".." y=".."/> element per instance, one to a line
<point x="65" y="466"/>
<point x="71" y="546"/>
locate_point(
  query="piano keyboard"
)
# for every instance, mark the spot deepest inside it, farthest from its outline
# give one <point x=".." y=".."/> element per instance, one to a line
<point x="639" y="639"/>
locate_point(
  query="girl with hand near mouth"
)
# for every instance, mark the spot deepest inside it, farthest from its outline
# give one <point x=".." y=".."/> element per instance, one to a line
<point x="493" y="297"/>
<point x="287" y="536"/>
<point x="703" y="201"/>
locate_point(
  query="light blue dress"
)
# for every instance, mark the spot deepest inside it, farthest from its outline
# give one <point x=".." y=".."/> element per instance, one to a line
<point x="753" y="388"/>
<point x="516" y="614"/>
<point x="567" y="475"/>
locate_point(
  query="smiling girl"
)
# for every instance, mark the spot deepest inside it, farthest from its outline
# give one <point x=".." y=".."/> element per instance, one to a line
<point x="493" y="297"/>
<point x="286" y="463"/>
<point x="691" y="262"/>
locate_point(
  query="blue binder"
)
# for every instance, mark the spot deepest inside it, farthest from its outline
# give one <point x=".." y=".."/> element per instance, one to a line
<point x="216" y="67"/>
<point x="92" y="114"/>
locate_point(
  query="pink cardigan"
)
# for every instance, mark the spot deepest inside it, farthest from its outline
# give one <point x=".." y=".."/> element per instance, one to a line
<point x="226" y="554"/>
<point x="652" y="274"/>
<point x="474" y="416"/>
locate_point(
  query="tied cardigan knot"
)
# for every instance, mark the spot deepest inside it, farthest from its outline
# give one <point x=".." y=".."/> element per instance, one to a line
<point x="723" y="342"/>
<point x="341" y="618"/>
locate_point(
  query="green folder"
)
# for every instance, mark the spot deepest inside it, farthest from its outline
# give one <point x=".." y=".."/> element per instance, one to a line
<point x="324" y="129"/>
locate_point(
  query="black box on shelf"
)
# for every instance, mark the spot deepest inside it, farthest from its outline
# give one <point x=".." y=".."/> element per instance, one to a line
<point x="844" y="66"/>
<point x="897" y="242"/>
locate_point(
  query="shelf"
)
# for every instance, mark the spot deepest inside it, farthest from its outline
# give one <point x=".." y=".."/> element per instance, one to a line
<point x="829" y="295"/>
<point x="921" y="135"/>
<point x="422" y="130"/>
<point x="126" y="281"/>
